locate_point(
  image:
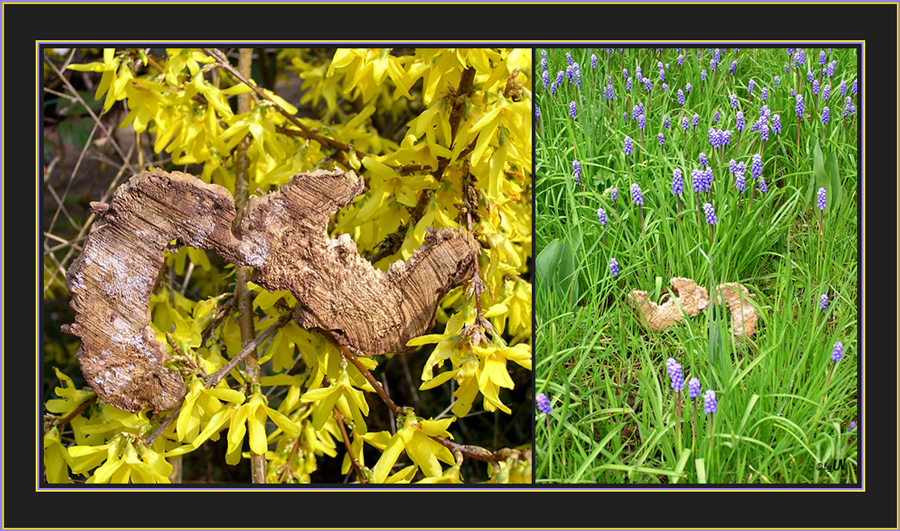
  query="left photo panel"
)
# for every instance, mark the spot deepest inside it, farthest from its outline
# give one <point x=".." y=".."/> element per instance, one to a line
<point x="285" y="265"/>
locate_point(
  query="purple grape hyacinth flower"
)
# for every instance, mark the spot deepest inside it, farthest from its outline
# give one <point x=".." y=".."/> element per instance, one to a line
<point x="756" y="167"/>
<point x="829" y="70"/>
<point x="636" y="197"/>
<point x="543" y="404"/>
<point x="577" y="167"/>
<point x="696" y="121"/>
<point x="677" y="182"/>
<point x="838" y="352"/>
<point x="693" y="387"/>
<point x="614" y="267"/>
<point x="593" y="60"/>
<point x="739" y="181"/>
<point x="629" y="147"/>
<point x="685" y="124"/>
<point x="822" y="57"/>
<point x="843" y="88"/>
<point x="776" y="123"/>
<point x="716" y="117"/>
<point x="739" y="121"/>
<point x="734" y="103"/>
<point x="680" y="97"/>
<point x="851" y="426"/>
<point x="661" y="138"/>
<point x="601" y="214"/>
<point x="798" y="108"/>
<point x="826" y="115"/>
<point x="710" y="404"/>
<point x="687" y="88"/>
<point x="704" y="162"/>
<point x="823" y="302"/>
<point x="641" y="121"/>
<point x="710" y="213"/>
<point x="763" y="189"/>
<point x="750" y="86"/>
<point x="666" y="123"/>
<point x="573" y="111"/>
<point x="675" y="374"/>
<point x="777" y="81"/>
<point x="764" y="93"/>
<point x="821" y="200"/>
<point x="697" y="180"/>
<point x="733" y="67"/>
<point x="826" y="92"/>
<point x="848" y="107"/>
<point x="815" y="86"/>
<point x="763" y="129"/>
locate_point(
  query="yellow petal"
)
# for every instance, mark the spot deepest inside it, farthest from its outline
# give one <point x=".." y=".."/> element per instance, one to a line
<point x="388" y="457"/>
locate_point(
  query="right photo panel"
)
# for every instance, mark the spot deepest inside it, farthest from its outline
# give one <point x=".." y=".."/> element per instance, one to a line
<point x="696" y="240"/>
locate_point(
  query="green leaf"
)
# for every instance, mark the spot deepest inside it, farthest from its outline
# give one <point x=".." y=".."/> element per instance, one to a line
<point x="567" y="279"/>
<point x="546" y="264"/>
<point x="819" y="178"/>
<point x="67" y="107"/>
<point x="76" y="132"/>
<point x="836" y="196"/>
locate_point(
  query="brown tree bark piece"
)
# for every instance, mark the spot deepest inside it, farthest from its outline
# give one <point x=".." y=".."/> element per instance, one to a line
<point x="283" y="235"/>
<point x="743" y="315"/>
<point x="688" y="296"/>
<point x="692" y="298"/>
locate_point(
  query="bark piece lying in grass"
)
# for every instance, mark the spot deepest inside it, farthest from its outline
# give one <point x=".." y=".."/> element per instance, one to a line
<point x="283" y="235"/>
<point x="690" y="297"/>
<point x="743" y="314"/>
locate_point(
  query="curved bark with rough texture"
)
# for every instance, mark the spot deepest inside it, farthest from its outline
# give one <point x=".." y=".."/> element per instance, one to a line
<point x="283" y="235"/>
<point x="692" y="298"/>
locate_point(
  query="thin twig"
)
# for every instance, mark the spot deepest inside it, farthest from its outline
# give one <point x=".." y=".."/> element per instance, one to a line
<point x="392" y="242"/>
<point x="216" y="377"/>
<point x="475" y="452"/>
<point x="305" y="131"/>
<point x="356" y="466"/>
<point x="109" y="137"/>
<point x="371" y="379"/>
<point x="68" y="418"/>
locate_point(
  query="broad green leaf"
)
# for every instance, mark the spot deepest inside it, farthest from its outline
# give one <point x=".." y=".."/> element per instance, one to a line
<point x="546" y="264"/>
<point x="836" y="196"/>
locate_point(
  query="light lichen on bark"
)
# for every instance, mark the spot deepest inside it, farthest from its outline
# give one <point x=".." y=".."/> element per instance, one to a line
<point x="283" y="235"/>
